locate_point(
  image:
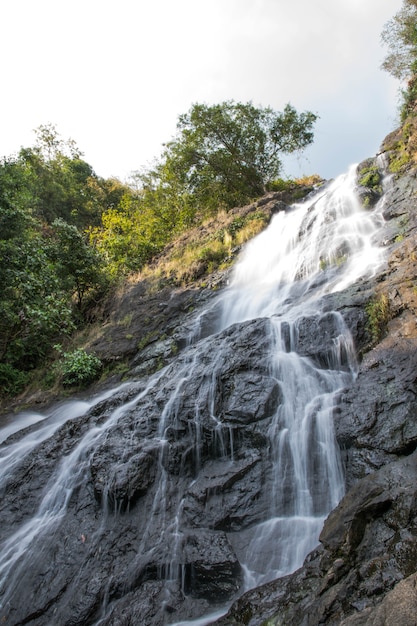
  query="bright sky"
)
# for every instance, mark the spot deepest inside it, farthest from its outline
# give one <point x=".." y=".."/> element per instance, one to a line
<point x="115" y="75"/>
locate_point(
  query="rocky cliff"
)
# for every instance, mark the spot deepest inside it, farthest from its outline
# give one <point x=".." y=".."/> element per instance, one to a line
<point x="365" y="569"/>
<point x="137" y="506"/>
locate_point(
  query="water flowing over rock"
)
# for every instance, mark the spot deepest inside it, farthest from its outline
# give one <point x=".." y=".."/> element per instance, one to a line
<point x="165" y="499"/>
<point x="364" y="571"/>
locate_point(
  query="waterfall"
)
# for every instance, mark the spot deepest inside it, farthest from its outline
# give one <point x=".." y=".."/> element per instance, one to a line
<point x="320" y="246"/>
<point x="227" y="452"/>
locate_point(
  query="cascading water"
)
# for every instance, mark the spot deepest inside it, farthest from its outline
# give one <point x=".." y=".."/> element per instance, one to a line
<point x="176" y="493"/>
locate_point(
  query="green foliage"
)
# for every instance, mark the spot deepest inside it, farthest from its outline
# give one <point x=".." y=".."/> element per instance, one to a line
<point x="130" y="235"/>
<point x="400" y="35"/>
<point x="400" y="162"/>
<point x="66" y="234"/>
<point x="402" y="146"/>
<point x="78" y="368"/>
<point x="222" y="156"/>
<point x="226" y="154"/>
<point x="370" y="177"/>
<point x="378" y="313"/>
<point x="78" y="265"/>
<point x="42" y="265"/>
<point x="61" y="184"/>
<point x="33" y="304"/>
<point x="280" y="184"/>
<point x="295" y="189"/>
<point x="12" y="381"/>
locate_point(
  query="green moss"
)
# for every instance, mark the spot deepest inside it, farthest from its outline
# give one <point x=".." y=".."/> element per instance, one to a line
<point x="402" y="147"/>
<point x="126" y="321"/>
<point x="147" y="339"/>
<point x="403" y="226"/>
<point x="327" y="262"/>
<point x="379" y="314"/>
<point x="324" y="264"/>
<point x="401" y="160"/>
<point x="370" y="177"/>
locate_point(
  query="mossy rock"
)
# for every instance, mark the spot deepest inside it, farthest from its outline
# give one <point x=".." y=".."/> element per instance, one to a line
<point x="369" y="180"/>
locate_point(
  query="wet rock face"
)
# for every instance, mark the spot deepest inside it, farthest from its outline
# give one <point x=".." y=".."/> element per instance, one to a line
<point x="377" y="418"/>
<point x="164" y="474"/>
<point x="317" y="337"/>
<point x="364" y="572"/>
<point x="211" y="569"/>
<point x="147" y="459"/>
<point x="369" y="545"/>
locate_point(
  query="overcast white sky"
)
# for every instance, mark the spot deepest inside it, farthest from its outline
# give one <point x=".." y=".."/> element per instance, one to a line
<point x="115" y="75"/>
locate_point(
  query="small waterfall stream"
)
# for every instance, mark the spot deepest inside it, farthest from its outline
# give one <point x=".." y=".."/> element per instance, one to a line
<point x="171" y="457"/>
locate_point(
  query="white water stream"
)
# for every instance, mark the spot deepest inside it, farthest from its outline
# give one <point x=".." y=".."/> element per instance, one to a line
<point x="316" y="248"/>
<point x="321" y="246"/>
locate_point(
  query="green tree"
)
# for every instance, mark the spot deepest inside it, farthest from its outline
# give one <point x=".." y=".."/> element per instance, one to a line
<point x="227" y="153"/>
<point x="78" y="266"/>
<point x="400" y="36"/>
<point x="14" y="201"/>
<point x="41" y="268"/>
<point x="33" y="306"/>
<point x="130" y="235"/>
<point x="62" y="184"/>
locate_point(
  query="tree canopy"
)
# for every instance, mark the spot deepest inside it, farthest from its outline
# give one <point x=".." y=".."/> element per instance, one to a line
<point x="227" y="153"/>
<point x="400" y="36"/>
<point x="49" y="197"/>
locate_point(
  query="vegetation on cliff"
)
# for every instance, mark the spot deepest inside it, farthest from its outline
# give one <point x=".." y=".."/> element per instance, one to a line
<point x="400" y="36"/>
<point x="68" y="236"/>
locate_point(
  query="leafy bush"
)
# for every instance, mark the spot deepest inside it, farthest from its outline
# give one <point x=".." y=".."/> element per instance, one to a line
<point x="400" y="35"/>
<point x="280" y="184"/>
<point x="12" y="380"/>
<point x="79" y="367"/>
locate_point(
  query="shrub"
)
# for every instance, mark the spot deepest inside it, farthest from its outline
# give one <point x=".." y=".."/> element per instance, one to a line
<point x="378" y="312"/>
<point x="12" y="380"/>
<point x="79" y="367"/>
<point x="280" y="184"/>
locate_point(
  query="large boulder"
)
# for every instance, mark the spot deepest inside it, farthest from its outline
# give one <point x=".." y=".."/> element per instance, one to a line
<point x="369" y="545"/>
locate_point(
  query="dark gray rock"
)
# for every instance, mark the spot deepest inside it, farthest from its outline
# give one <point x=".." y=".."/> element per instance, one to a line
<point x="364" y="571"/>
<point x="369" y="545"/>
<point x="211" y="569"/>
<point x="317" y="337"/>
<point x="377" y="417"/>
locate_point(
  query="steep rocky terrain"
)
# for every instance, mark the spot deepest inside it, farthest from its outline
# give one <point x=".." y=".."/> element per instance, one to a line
<point x="132" y="461"/>
<point x="365" y="569"/>
<point x="146" y="323"/>
<point x="142" y="324"/>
